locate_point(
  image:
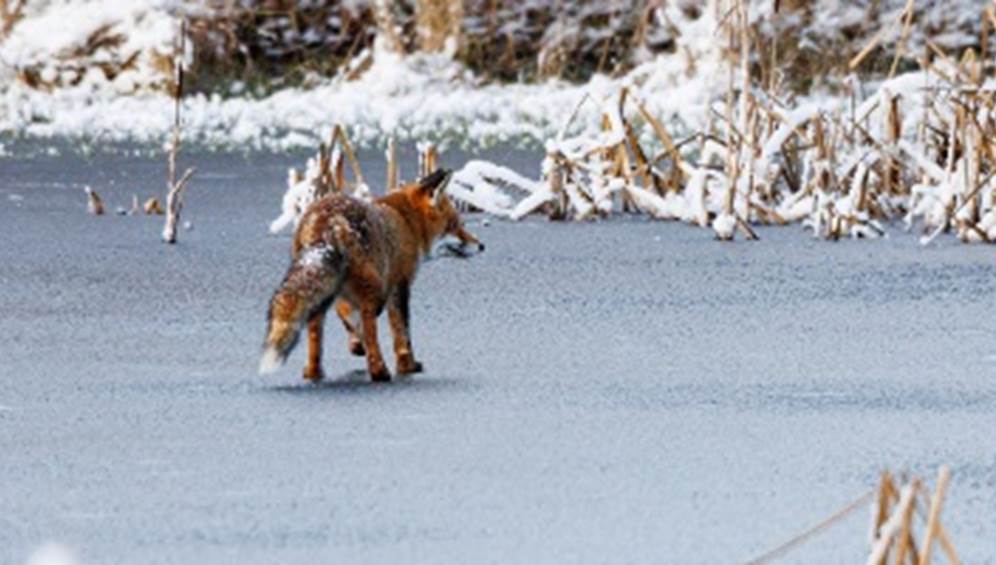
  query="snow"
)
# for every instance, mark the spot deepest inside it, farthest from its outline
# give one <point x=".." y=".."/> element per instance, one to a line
<point x="486" y="186"/>
<point x="791" y="122"/>
<point x="724" y="225"/>
<point x="422" y="96"/>
<point x="316" y="256"/>
<point x="142" y="34"/>
<point x="300" y="194"/>
<point x="52" y="554"/>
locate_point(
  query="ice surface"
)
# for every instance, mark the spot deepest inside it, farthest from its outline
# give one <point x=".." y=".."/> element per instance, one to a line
<point x="591" y="395"/>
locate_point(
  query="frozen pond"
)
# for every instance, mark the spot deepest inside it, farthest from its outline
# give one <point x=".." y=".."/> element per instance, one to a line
<point x="623" y="392"/>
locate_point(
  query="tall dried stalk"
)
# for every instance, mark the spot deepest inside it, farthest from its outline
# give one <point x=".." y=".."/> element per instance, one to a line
<point x="392" y="165"/>
<point x="176" y="188"/>
<point x="427" y="157"/>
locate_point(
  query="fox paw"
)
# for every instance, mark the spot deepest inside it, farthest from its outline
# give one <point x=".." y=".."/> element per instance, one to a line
<point x="356" y="348"/>
<point x="313" y="374"/>
<point x="408" y="366"/>
<point x="380" y="376"/>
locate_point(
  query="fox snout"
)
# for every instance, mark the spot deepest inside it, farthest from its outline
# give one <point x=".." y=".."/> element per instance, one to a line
<point x="468" y="239"/>
<point x="456" y="246"/>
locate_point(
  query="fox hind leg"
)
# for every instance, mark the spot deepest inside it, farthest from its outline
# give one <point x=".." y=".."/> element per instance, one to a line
<point x="313" y="369"/>
<point x="351" y="321"/>
<point x="375" y="361"/>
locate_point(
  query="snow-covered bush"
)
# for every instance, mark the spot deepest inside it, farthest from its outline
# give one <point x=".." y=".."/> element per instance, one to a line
<point x="118" y="45"/>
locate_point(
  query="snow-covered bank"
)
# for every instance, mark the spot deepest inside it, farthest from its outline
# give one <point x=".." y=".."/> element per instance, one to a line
<point x="416" y="99"/>
<point x="420" y="96"/>
<point x="103" y="78"/>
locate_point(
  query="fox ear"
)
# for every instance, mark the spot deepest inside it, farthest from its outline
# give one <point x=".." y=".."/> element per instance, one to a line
<point x="434" y="185"/>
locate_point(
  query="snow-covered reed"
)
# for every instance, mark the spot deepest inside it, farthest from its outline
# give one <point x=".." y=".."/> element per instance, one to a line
<point x="917" y="147"/>
<point x="895" y="505"/>
<point x="325" y="173"/>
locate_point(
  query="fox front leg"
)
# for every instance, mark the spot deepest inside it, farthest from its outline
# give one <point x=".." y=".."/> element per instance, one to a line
<point x="313" y="369"/>
<point x="398" y="315"/>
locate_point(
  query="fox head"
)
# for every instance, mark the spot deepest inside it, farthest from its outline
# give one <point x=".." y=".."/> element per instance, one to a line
<point x="440" y="215"/>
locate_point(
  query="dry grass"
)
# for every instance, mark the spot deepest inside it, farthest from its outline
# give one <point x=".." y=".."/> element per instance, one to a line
<point x="266" y="44"/>
<point x="273" y="42"/>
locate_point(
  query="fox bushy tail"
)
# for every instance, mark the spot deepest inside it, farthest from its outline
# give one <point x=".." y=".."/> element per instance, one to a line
<point x="312" y="282"/>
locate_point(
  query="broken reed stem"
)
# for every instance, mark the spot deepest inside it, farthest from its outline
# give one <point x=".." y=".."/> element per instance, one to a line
<point x="904" y="544"/>
<point x="574" y="114"/>
<point x="933" y="518"/>
<point x="661" y="133"/>
<point x="923" y="496"/>
<point x="339" y="133"/>
<point x="94" y="205"/>
<point x="339" y="172"/>
<point x="903" y="37"/>
<point x="886" y="492"/>
<point x="174" y="204"/>
<point x="392" y="165"/>
<point x="731" y="148"/>
<point x="808" y="534"/>
<point x="772" y="70"/>
<point x="427" y="158"/>
<point x="556" y="179"/>
<point x="857" y="59"/>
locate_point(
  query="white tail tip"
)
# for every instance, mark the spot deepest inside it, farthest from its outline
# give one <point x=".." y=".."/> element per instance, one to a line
<point x="270" y="362"/>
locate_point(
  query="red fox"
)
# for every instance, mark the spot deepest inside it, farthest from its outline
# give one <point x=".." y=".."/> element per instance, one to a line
<point x="360" y="257"/>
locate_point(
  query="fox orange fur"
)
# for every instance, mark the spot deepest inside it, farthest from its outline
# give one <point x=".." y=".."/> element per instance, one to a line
<point x="360" y="257"/>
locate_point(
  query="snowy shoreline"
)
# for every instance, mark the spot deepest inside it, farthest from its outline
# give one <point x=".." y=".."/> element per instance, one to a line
<point x="411" y="99"/>
<point x="103" y="80"/>
<point x="417" y="96"/>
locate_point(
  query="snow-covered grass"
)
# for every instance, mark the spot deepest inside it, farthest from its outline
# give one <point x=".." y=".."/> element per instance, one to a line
<point x="914" y="146"/>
